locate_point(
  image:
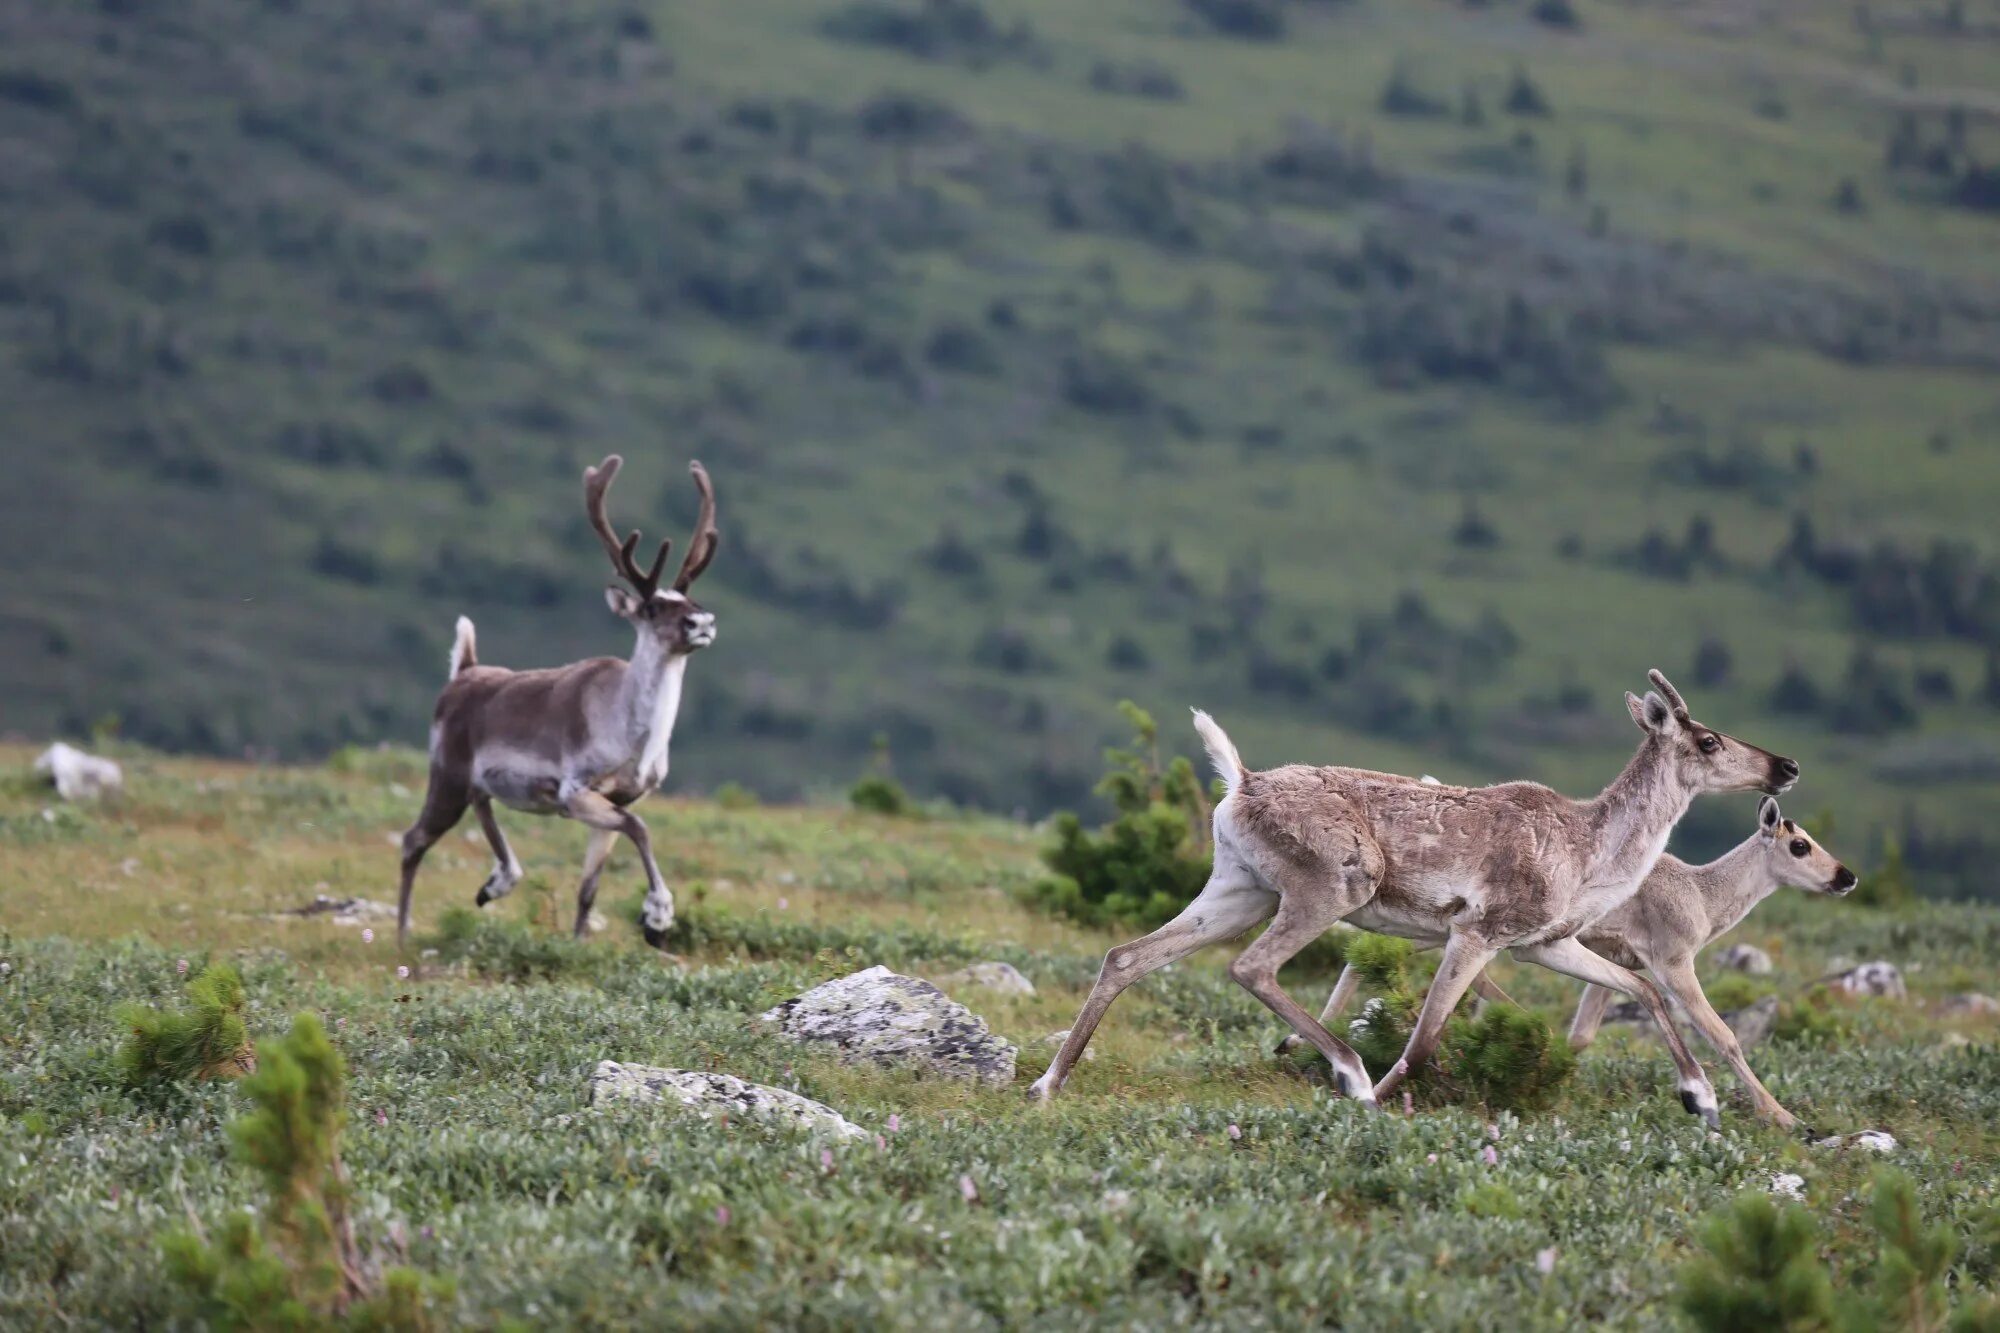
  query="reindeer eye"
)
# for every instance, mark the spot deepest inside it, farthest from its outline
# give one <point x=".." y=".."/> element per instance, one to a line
<point x="1709" y="743"/>
<point x="1800" y="846"/>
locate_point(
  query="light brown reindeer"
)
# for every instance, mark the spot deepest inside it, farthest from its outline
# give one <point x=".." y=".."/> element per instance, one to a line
<point x="585" y="741"/>
<point x="1678" y="911"/>
<point x="1516" y="866"/>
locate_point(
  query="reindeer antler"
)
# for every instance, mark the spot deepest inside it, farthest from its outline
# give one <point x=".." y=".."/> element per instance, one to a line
<point x="1673" y="696"/>
<point x="596" y="484"/>
<point x="701" y="546"/>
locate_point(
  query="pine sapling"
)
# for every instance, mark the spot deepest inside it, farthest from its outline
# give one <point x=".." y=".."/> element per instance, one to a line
<point x="207" y="1040"/>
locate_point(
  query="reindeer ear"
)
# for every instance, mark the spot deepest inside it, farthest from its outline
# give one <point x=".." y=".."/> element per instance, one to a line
<point x="1767" y="816"/>
<point x="1637" y="710"/>
<point x="1659" y="717"/>
<point x="622" y="603"/>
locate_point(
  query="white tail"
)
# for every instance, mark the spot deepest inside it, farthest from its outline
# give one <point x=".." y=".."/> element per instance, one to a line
<point x="464" y="647"/>
<point x="1221" y="752"/>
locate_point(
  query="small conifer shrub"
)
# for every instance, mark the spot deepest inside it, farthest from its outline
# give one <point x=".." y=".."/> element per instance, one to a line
<point x="207" y="1040"/>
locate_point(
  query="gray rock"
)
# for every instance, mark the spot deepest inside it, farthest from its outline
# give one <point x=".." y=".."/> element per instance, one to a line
<point x="344" y="911"/>
<point x="713" y="1096"/>
<point x="1002" y="977"/>
<point x="1788" y="1185"/>
<point x="1056" y="1039"/>
<point x="1877" y="978"/>
<point x="1870" y="1140"/>
<point x="78" y="776"/>
<point x="879" y="1017"/>
<point x="1754" y="1023"/>
<point x="1744" y="958"/>
<point x="1970" y="1004"/>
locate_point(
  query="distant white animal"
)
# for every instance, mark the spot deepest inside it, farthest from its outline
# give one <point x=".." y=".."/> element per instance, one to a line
<point x="79" y="776"/>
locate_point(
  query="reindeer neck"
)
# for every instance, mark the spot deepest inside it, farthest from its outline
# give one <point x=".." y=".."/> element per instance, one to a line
<point x="1734" y="883"/>
<point x="1633" y="816"/>
<point x="649" y="701"/>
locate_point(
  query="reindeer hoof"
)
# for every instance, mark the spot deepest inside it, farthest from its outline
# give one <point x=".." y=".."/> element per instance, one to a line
<point x="485" y="894"/>
<point x="1286" y="1044"/>
<point x="1692" y="1103"/>
<point x="656" y="938"/>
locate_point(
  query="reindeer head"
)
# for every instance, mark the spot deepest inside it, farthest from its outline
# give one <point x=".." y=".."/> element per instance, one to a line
<point x="1706" y="759"/>
<point x="1795" y="859"/>
<point x="673" y="619"/>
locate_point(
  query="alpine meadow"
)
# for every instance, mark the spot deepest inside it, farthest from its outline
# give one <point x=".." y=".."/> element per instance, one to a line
<point x="1428" y="390"/>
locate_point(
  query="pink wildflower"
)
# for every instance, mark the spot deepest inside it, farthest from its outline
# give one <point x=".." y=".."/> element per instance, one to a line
<point x="1493" y="1131"/>
<point x="381" y="1116"/>
<point x="181" y="966"/>
<point x="1431" y="1157"/>
<point x="402" y="974"/>
<point x="826" y="1159"/>
<point x="722" y="1215"/>
<point x="881" y="1144"/>
<point x="967" y="1190"/>
<point x="368" y="935"/>
<point x="784" y="903"/>
<point x="1235" y="1132"/>
<point x="895" y="1122"/>
<point x="1409" y="1107"/>
<point x="1490" y="1157"/>
<point x="1545" y="1261"/>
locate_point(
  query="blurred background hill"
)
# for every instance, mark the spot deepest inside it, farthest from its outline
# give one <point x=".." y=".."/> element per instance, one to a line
<point x="1398" y="381"/>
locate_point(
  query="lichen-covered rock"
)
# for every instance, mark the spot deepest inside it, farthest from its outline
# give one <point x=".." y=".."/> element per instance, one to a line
<point x="344" y="911"/>
<point x="1970" y="1004"/>
<point x="1744" y="958"/>
<point x="714" y="1096"/>
<point x="1788" y="1185"/>
<point x="1002" y="977"/>
<point x="78" y="776"/>
<point x="1877" y="978"/>
<point x="879" y="1017"/>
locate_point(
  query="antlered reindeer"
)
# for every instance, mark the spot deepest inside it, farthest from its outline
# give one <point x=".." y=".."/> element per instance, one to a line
<point x="1481" y="869"/>
<point x="584" y="741"/>
<point x="1678" y="911"/>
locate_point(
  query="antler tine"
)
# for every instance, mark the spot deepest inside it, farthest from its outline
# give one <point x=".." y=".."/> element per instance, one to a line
<point x="596" y="485"/>
<point x="701" y="546"/>
<point x="1666" y="687"/>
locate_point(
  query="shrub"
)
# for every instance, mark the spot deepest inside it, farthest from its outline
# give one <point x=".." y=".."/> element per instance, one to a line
<point x="1151" y="860"/>
<point x="736" y="796"/>
<point x="881" y="795"/>
<point x="208" y="1040"/>
<point x="1508" y="1058"/>
<point x="296" y="1264"/>
<point x="1761" y="1271"/>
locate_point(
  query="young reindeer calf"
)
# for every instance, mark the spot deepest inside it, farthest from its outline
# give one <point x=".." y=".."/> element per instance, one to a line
<point x="1679" y="911"/>
<point x="1476" y="869"/>
<point x="585" y="741"/>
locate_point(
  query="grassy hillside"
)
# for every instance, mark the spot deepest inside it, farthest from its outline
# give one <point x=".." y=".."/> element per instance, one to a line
<point x="1398" y="381"/>
<point x="1186" y="1177"/>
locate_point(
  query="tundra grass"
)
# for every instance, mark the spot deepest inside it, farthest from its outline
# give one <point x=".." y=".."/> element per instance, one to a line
<point x="1186" y="1178"/>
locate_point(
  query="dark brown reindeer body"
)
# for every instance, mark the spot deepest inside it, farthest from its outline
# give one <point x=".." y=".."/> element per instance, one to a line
<point x="584" y="741"/>
<point x="1476" y="869"/>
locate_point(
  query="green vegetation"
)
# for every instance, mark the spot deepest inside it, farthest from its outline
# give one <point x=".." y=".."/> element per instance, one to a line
<point x="1044" y="354"/>
<point x="1763" y="1271"/>
<point x="296" y="1266"/>
<point x="1184" y="1177"/>
<point x="208" y="1040"/>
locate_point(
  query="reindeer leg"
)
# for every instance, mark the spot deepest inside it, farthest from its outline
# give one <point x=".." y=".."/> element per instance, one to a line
<point x="594" y="857"/>
<point x="444" y="806"/>
<point x="1572" y="958"/>
<point x="1589" y="1013"/>
<point x="1343" y="995"/>
<point x="1303" y="916"/>
<point x="593" y="808"/>
<point x="1464" y="957"/>
<point x="506" y="869"/>
<point x="1229" y="904"/>
<point x="1680" y="981"/>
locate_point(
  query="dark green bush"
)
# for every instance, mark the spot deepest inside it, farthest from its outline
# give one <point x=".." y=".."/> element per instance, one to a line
<point x="296" y="1265"/>
<point x="1148" y="863"/>
<point x="881" y="795"/>
<point x="1761" y="1271"/>
<point x="207" y="1040"/>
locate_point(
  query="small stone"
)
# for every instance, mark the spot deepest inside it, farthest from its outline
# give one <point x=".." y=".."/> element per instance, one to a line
<point x="342" y="911"/>
<point x="1002" y="977"/>
<point x="1969" y="1004"/>
<point x="876" y="1016"/>
<point x="1745" y="958"/>
<point x="78" y="776"/>
<point x="1871" y="1140"/>
<point x="714" y="1096"/>
<point x="596" y="923"/>
<point x="1754" y="1023"/>
<point x="1877" y="978"/>
<point x="1056" y="1039"/>
<point x="1788" y="1185"/>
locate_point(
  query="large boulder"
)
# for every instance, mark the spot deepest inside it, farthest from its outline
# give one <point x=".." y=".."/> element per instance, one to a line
<point x="1877" y="978"/>
<point x="879" y="1017"/>
<point x="714" y="1096"/>
<point x="1752" y="1024"/>
<point x="78" y="776"/>
<point x="1744" y="958"/>
<point x="1002" y="977"/>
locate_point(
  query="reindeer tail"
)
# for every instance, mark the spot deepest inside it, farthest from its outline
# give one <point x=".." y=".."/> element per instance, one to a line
<point x="464" y="647"/>
<point x="1221" y="751"/>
